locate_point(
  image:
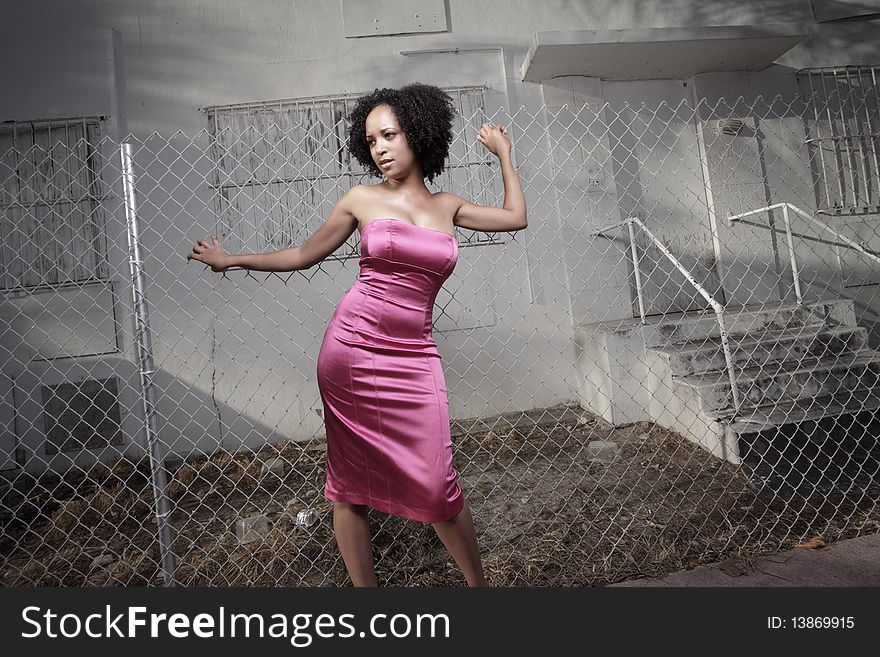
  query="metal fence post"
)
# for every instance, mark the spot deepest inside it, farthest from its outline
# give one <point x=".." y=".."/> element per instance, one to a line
<point x="145" y="364"/>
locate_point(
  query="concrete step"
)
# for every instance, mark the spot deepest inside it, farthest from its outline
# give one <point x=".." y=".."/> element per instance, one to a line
<point x="681" y="326"/>
<point x="783" y="381"/>
<point x="807" y="381"/>
<point x="777" y="414"/>
<point x="695" y="326"/>
<point x="707" y="355"/>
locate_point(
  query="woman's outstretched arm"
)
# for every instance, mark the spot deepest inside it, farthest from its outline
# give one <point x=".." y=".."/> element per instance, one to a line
<point x="330" y="236"/>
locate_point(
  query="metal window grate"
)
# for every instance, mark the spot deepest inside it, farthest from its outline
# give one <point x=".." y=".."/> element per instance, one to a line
<point x="50" y="203"/>
<point x="843" y="139"/>
<point x="280" y="166"/>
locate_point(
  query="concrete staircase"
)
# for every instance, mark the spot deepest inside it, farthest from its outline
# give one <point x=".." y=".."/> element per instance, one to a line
<point x="809" y="390"/>
<point x="809" y="387"/>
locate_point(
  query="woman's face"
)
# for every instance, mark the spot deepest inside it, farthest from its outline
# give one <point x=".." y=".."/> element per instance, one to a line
<point x="388" y="142"/>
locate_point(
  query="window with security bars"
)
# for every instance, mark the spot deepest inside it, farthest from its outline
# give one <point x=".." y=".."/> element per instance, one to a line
<point x="53" y="223"/>
<point x="280" y="167"/>
<point x="843" y="137"/>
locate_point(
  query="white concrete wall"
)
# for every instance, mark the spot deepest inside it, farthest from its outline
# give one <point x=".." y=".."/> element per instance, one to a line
<point x="183" y="54"/>
<point x="176" y="56"/>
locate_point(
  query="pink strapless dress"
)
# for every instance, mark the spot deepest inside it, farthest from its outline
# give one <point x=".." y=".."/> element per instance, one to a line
<point x="386" y="411"/>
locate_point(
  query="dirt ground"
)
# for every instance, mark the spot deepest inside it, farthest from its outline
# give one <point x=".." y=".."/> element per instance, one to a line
<point x="546" y="513"/>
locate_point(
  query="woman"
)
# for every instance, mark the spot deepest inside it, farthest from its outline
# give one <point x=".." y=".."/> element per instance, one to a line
<point x="379" y="373"/>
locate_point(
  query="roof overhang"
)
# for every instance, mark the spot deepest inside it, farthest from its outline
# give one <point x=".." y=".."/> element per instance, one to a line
<point x="662" y="52"/>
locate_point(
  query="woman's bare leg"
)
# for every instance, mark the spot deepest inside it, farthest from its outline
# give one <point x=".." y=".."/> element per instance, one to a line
<point x="460" y="539"/>
<point x="352" y="526"/>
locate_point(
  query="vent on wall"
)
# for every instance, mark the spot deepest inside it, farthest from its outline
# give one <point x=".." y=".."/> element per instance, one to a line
<point x="81" y="415"/>
<point x="730" y="126"/>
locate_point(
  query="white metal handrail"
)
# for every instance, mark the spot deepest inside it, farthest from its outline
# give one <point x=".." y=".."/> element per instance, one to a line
<point x="789" y="238"/>
<point x="716" y="305"/>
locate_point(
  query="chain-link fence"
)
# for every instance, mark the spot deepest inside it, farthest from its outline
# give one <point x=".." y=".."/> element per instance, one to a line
<point x="672" y="364"/>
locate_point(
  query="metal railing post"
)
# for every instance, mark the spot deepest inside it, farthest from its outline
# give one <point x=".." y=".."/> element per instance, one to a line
<point x="638" y="275"/>
<point x="145" y="365"/>
<point x="791" y="254"/>
<point x="853" y="245"/>
<point x="719" y="313"/>
<point x="716" y="306"/>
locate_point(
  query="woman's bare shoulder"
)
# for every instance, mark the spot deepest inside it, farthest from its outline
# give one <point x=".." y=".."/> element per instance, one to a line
<point x="365" y="191"/>
<point x="450" y="202"/>
<point x="359" y="193"/>
<point x="359" y="198"/>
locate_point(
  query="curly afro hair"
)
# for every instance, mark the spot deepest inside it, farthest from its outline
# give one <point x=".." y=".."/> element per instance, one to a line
<point x="425" y="114"/>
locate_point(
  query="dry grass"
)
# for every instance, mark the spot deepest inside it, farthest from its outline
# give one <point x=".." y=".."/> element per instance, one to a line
<point x="545" y="513"/>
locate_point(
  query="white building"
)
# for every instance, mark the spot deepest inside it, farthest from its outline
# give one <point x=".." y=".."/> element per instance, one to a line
<point x="235" y="355"/>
